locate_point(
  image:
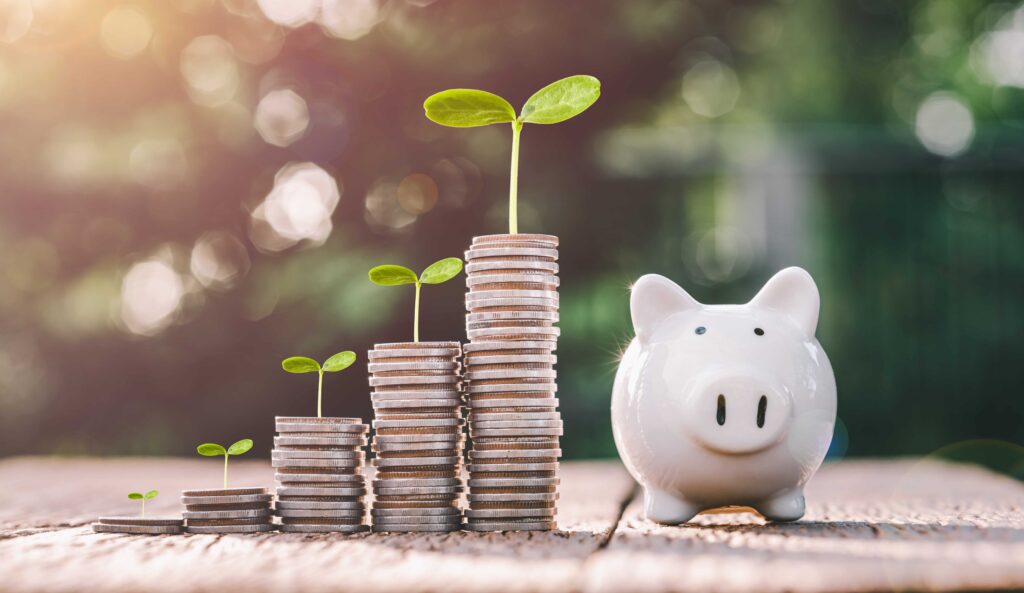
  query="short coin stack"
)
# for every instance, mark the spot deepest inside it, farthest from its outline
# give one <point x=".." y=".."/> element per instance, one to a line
<point x="417" y="404"/>
<point x="514" y="421"/>
<point x="319" y="471"/>
<point x="228" y="510"/>
<point x="139" y="525"/>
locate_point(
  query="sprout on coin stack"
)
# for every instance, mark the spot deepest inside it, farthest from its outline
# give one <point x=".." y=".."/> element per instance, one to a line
<point x="140" y="525"/>
<point x="512" y="307"/>
<point x="227" y="510"/>
<point x="319" y="462"/>
<point x="417" y="408"/>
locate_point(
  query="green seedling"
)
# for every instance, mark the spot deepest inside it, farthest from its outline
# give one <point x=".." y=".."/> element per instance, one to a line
<point x="143" y="497"/>
<point x="436" y="273"/>
<point x="213" y="450"/>
<point x="301" y="364"/>
<point x="557" y="102"/>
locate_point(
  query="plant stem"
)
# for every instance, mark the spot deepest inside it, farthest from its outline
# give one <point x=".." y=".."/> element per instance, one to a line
<point x="225" y="471"/>
<point x="143" y="508"/>
<point x="513" y="181"/>
<point x="416" y="316"/>
<point x="319" y="394"/>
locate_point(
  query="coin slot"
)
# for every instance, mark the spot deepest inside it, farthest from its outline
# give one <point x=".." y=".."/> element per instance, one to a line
<point x="720" y="415"/>
<point x="762" y="409"/>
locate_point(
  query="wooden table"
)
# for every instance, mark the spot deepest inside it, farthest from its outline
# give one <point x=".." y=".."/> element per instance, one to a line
<point x="870" y="525"/>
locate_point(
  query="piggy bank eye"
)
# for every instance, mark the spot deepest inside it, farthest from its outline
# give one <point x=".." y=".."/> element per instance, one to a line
<point x="700" y="330"/>
<point x="758" y="331"/>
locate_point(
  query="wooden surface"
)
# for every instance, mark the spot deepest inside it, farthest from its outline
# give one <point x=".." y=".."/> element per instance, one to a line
<point x="870" y="526"/>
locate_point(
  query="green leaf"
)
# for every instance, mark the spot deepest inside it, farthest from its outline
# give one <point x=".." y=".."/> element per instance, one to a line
<point x="210" y="449"/>
<point x="467" y="108"/>
<point x="152" y="494"/>
<point x="339" y="361"/>
<point x="135" y="496"/>
<point x="441" y="271"/>
<point x="561" y="100"/>
<point x="240" y="447"/>
<point x="300" y="364"/>
<point x="390" y="275"/>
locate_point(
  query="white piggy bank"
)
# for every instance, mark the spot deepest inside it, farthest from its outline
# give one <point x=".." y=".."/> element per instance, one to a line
<point x="722" y="405"/>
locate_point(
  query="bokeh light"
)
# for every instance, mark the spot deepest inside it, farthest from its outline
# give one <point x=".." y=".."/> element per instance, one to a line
<point x="349" y="19"/>
<point x="710" y="88"/>
<point x="210" y="70"/>
<point x="158" y="163"/>
<point x="15" y="19"/>
<point x="289" y="13"/>
<point x="281" y="117"/>
<point x="383" y="210"/>
<point x="417" y="194"/>
<point x="298" y="208"/>
<point x="944" y="124"/>
<point x="998" y="56"/>
<point x="125" y="32"/>
<point x="151" y="295"/>
<point x="219" y="260"/>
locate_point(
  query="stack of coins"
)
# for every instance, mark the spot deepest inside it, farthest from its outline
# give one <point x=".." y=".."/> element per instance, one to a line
<point x="514" y="422"/>
<point x="140" y="525"/>
<point x="319" y="471"/>
<point x="417" y="404"/>
<point x="229" y="510"/>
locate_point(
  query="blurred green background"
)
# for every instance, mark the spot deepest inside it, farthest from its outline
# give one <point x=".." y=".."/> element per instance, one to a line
<point x="194" y="190"/>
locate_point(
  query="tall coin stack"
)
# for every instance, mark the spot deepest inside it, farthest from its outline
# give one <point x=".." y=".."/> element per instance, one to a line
<point x="419" y="436"/>
<point x="228" y="510"/>
<point x="319" y="471"/>
<point x="514" y="421"/>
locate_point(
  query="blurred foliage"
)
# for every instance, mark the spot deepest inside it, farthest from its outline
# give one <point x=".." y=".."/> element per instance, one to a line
<point x="159" y="254"/>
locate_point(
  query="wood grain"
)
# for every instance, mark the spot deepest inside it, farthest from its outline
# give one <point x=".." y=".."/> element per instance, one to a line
<point x="870" y="526"/>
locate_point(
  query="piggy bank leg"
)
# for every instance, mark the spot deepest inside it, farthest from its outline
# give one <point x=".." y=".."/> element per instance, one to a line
<point x="662" y="507"/>
<point x="787" y="507"/>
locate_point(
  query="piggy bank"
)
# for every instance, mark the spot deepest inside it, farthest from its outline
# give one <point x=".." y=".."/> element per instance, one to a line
<point x="724" y="405"/>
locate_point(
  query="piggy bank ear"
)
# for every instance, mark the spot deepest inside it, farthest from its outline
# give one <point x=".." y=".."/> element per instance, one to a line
<point x="793" y="293"/>
<point x="653" y="300"/>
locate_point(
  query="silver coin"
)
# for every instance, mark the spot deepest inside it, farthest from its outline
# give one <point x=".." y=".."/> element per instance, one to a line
<point x="499" y="347"/>
<point x="415" y="345"/>
<point x="498" y="454"/>
<point x="310" y="491"/>
<point x="251" y="528"/>
<point x="511" y="482"/>
<point x="384" y="367"/>
<point x="225" y="491"/>
<point x="414" y="528"/>
<point x="309" y="505"/>
<point x="511" y="513"/>
<point x="241" y="499"/>
<point x="316" y="463"/>
<point x="418" y="423"/>
<point x="332" y="420"/>
<point x="419" y="512"/>
<point x="503" y="432"/>
<point x="322" y="513"/>
<point x="507" y="416"/>
<point x="421" y="355"/>
<point x="475" y="253"/>
<point x="415" y="491"/>
<point x="504" y="237"/>
<point x="310" y="529"/>
<point x="512" y="387"/>
<point x="355" y="478"/>
<point x="481" y="424"/>
<point x="228" y="514"/>
<point x="415" y="394"/>
<point x="514" y="360"/>
<point x="512" y="497"/>
<point x="385" y="520"/>
<point x="510" y="526"/>
<point x="312" y="454"/>
<point x="511" y="293"/>
<point x="418" y="380"/>
<point x="143" y="521"/>
<point x="415" y="482"/>
<point x="399" y="404"/>
<point x="539" y="403"/>
<point x="510" y="265"/>
<point x="414" y="461"/>
<point x="433" y="437"/>
<point x="478" y="468"/>
<point x="483" y="305"/>
<point x="313" y="428"/>
<point x="385" y="447"/>
<point x="296" y="441"/>
<point x="511" y="278"/>
<point x="512" y="332"/>
<point x="503" y="318"/>
<point x="475" y="375"/>
<point x="137" y="529"/>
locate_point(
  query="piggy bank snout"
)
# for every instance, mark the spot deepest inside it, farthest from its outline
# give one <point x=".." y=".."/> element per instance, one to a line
<point x="737" y="415"/>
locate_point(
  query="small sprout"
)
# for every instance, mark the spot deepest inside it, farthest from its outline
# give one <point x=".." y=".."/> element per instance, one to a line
<point x="301" y="364"/>
<point x="557" y="102"/>
<point x="213" y="450"/>
<point x="436" y="273"/>
<point x="143" y="497"/>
